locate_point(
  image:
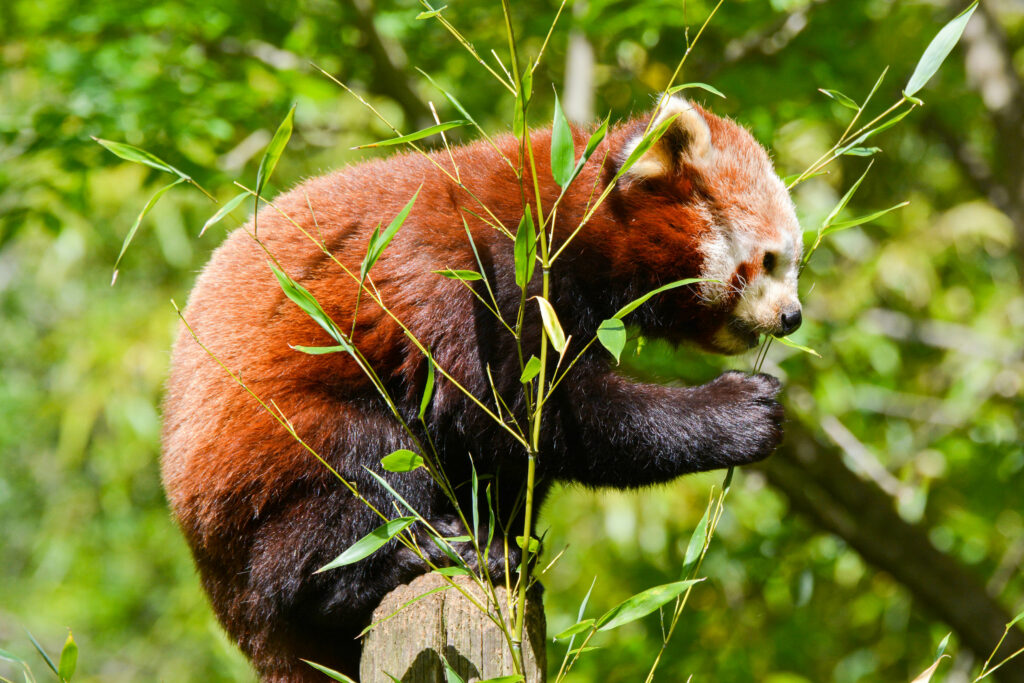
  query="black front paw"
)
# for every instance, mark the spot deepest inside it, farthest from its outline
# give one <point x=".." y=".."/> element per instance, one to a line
<point x="749" y="423"/>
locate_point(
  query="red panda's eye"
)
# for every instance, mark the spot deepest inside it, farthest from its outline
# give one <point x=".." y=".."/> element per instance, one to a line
<point x="769" y="262"/>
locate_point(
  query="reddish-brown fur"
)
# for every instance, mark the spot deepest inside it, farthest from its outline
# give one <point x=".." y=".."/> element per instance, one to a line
<point x="261" y="513"/>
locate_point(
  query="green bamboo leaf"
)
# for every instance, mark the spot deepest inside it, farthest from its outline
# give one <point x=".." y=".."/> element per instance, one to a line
<point x="418" y="135"/>
<point x="642" y="604"/>
<point x="926" y="675"/>
<point x="595" y="139"/>
<point x="450" y="675"/>
<point x="530" y="370"/>
<point x="464" y="275"/>
<point x="428" y="389"/>
<point x="578" y="627"/>
<point x="841" y="204"/>
<point x="451" y="98"/>
<point x="941" y="650"/>
<point x="432" y="13"/>
<point x="387" y="487"/>
<point x="140" y="156"/>
<point x="525" y="249"/>
<point x="68" y="659"/>
<point x="636" y="303"/>
<point x="861" y="151"/>
<point x="522" y="103"/>
<point x="853" y="222"/>
<point x="274" y="151"/>
<point x="563" y="153"/>
<point x="321" y="350"/>
<point x="551" y="324"/>
<point x="230" y="206"/>
<point x="840" y="98"/>
<point x="138" y="221"/>
<point x="937" y="51"/>
<point x="534" y="544"/>
<point x="41" y="651"/>
<point x="891" y="122"/>
<point x="330" y="673"/>
<point x="513" y="678"/>
<point x="370" y="543"/>
<point x="452" y="571"/>
<point x="380" y="240"/>
<point x="786" y="341"/>
<point x="645" y="145"/>
<point x="1014" y="621"/>
<point x="703" y="86"/>
<point x="612" y="335"/>
<point x="474" y="490"/>
<point x="308" y="303"/>
<point x="402" y="460"/>
<point x="698" y="540"/>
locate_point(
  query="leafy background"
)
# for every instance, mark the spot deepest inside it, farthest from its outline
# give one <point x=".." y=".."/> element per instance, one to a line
<point x="919" y="318"/>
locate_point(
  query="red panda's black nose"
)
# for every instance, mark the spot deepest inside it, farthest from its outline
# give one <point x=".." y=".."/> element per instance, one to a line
<point x="790" y="320"/>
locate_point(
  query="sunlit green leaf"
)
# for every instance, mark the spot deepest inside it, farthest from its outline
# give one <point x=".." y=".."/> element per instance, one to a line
<point x="380" y="240"/>
<point x="432" y="13"/>
<point x="308" y="303"/>
<point x="861" y="151"/>
<point x="861" y="220"/>
<point x="402" y="460"/>
<point x="464" y="275"/>
<point x="452" y="571"/>
<point x="578" y="627"/>
<point x="551" y="324"/>
<point x="703" y="86"/>
<point x="370" y="543"/>
<point x="786" y="341"/>
<point x="530" y="370"/>
<point x="840" y="98"/>
<point x="534" y="544"/>
<point x="642" y="604"/>
<point x="138" y="221"/>
<point x="612" y="335"/>
<point x="228" y="207"/>
<point x="428" y="389"/>
<point x="140" y="156"/>
<point x="698" y="539"/>
<point x="645" y="145"/>
<point x="68" y="659"/>
<point x="330" y="673"/>
<point x="525" y="249"/>
<point x="418" y="135"/>
<point x="636" y="303"/>
<point x="274" y="150"/>
<point x="563" y="152"/>
<point x="937" y="51"/>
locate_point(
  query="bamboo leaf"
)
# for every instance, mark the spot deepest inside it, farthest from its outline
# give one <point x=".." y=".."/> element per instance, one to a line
<point x="703" y="86"/>
<point x="308" y="303"/>
<point x="380" y="240"/>
<point x="937" y="51"/>
<point x="512" y="678"/>
<point x="941" y="649"/>
<point x="140" y="156"/>
<point x="230" y="206"/>
<point x="418" y="135"/>
<point x="612" y="335"/>
<point x="525" y="249"/>
<point x="138" y="221"/>
<point x="551" y="324"/>
<point x="330" y="673"/>
<point x="68" y="659"/>
<point x="578" y="627"/>
<point x="853" y="222"/>
<point x="432" y="13"/>
<point x="530" y="370"/>
<point x="861" y="151"/>
<point x="840" y="98"/>
<point x="927" y="674"/>
<point x="452" y="571"/>
<point x="402" y="460"/>
<point x="698" y="540"/>
<point x="786" y="341"/>
<point x="428" y="389"/>
<point x="563" y="159"/>
<point x="321" y="350"/>
<point x="841" y="204"/>
<point x="450" y="674"/>
<point x="522" y="103"/>
<point x="274" y="151"/>
<point x="642" y="604"/>
<point x="645" y="145"/>
<point x="636" y="303"/>
<point x="41" y="651"/>
<point x="464" y="275"/>
<point x="370" y="543"/>
<point x="1014" y="621"/>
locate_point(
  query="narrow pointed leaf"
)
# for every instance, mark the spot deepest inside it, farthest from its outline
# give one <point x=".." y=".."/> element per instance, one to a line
<point x="642" y="604"/>
<point x="138" y="221"/>
<point x="1015" y="620"/>
<point x="68" y="659"/>
<point x="464" y="275"/>
<point x="474" y="490"/>
<point x="551" y="324"/>
<point x="428" y="389"/>
<point x="525" y="249"/>
<point x="418" y="135"/>
<point x="308" y="303"/>
<point x="41" y="651"/>
<point x="563" y="159"/>
<point x="450" y="674"/>
<point x="645" y="145"/>
<point x="522" y="103"/>
<point x="595" y="139"/>
<point x="941" y="649"/>
<point x="402" y="460"/>
<point x="840" y="98"/>
<point x="937" y="51"/>
<point x="843" y="225"/>
<point x="861" y="151"/>
<point x="380" y="240"/>
<point x="452" y="571"/>
<point x="330" y="673"/>
<point x="578" y="627"/>
<point x="698" y="540"/>
<point x="230" y="206"/>
<point x="140" y="156"/>
<point x="926" y="675"/>
<point x="703" y="86"/>
<point x="612" y="335"/>
<point x="370" y="543"/>
<point x="512" y="678"/>
<point x="841" y="204"/>
<point x="530" y="370"/>
<point x="432" y="13"/>
<point x="321" y="350"/>
<point x="636" y="303"/>
<point x="274" y="151"/>
<point x="786" y="341"/>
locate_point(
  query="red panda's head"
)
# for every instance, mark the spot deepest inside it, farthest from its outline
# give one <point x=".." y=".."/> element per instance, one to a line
<point x="710" y="205"/>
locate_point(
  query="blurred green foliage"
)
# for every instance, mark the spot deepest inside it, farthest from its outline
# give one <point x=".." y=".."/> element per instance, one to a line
<point x="919" y="318"/>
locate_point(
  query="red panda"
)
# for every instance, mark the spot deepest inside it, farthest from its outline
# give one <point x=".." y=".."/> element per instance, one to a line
<point x="261" y="514"/>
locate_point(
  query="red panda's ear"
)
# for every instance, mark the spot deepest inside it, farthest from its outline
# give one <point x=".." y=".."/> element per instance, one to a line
<point x="687" y="137"/>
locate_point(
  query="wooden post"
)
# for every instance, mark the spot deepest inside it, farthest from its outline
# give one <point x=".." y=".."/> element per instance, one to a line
<point x="407" y="646"/>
